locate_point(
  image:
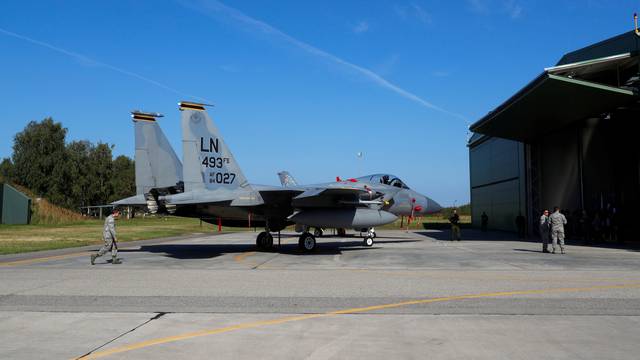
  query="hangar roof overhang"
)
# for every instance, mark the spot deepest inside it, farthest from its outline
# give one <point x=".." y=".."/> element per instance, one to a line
<point x="568" y="92"/>
<point x="548" y="103"/>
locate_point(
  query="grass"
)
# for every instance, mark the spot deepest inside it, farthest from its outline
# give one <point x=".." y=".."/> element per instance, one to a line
<point x="436" y="221"/>
<point x="25" y="238"/>
<point x="44" y="212"/>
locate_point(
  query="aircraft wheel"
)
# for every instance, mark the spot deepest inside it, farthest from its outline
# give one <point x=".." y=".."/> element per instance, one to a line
<point x="307" y="242"/>
<point x="260" y="240"/>
<point x="373" y="234"/>
<point x="268" y="241"/>
<point x="318" y="232"/>
<point x="368" y="241"/>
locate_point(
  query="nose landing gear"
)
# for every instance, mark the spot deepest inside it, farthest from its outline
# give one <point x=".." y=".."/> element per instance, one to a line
<point x="368" y="239"/>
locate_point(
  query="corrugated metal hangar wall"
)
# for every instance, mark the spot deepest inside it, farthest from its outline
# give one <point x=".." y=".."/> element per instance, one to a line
<point x="497" y="182"/>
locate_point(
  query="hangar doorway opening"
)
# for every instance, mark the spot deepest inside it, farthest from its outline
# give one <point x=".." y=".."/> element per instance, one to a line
<point x="592" y="172"/>
<point x="568" y="138"/>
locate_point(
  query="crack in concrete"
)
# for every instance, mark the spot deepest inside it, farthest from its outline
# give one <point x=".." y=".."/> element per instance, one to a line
<point x="264" y="262"/>
<point x="155" y="317"/>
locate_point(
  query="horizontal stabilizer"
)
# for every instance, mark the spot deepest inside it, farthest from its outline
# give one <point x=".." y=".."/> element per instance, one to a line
<point x="136" y="200"/>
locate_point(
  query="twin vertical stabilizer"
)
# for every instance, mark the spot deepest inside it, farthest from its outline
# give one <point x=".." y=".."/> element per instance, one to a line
<point x="156" y="164"/>
<point x="208" y="162"/>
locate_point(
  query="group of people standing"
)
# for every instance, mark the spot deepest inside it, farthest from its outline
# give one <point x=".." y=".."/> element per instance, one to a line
<point x="552" y="228"/>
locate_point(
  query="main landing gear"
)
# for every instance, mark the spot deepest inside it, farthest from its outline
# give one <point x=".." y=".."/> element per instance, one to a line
<point x="264" y="241"/>
<point x="307" y="242"/>
<point x="318" y="232"/>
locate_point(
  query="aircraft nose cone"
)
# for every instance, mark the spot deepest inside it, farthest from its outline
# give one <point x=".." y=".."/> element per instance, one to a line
<point x="433" y="207"/>
<point x="427" y="206"/>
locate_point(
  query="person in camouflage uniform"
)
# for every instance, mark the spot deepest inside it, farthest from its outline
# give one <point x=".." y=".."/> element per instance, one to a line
<point x="110" y="239"/>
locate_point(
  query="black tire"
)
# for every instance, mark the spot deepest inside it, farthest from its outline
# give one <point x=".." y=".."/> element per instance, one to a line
<point x="307" y="242"/>
<point x="268" y="241"/>
<point x="368" y="241"/>
<point x="260" y="240"/>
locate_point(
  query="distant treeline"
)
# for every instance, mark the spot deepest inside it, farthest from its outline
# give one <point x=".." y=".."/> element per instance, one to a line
<point x="462" y="210"/>
<point x="74" y="174"/>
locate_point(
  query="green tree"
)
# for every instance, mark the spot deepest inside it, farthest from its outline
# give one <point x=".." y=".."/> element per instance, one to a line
<point x="123" y="180"/>
<point x="6" y="170"/>
<point x="72" y="188"/>
<point x="72" y="175"/>
<point x="99" y="173"/>
<point x="37" y="151"/>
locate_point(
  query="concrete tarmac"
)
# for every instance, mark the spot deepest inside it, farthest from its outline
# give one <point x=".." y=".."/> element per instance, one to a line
<point x="412" y="295"/>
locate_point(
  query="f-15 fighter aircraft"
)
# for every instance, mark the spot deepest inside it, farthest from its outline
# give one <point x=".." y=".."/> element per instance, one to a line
<point x="397" y="197"/>
<point x="213" y="188"/>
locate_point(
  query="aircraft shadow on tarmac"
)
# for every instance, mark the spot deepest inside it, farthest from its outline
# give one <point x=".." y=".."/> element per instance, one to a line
<point x="472" y="235"/>
<point x="209" y="251"/>
<point x="528" y="250"/>
<point x="476" y="235"/>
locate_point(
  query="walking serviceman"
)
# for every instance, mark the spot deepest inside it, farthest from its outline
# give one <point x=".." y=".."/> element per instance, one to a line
<point x="558" y="221"/>
<point x="545" y="228"/>
<point x="109" y="236"/>
<point x="455" y="227"/>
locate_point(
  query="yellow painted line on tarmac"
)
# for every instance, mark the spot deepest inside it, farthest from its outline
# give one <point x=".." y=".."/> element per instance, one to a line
<point x="43" y="259"/>
<point x="438" y="274"/>
<point x="241" y="257"/>
<point x="256" y="324"/>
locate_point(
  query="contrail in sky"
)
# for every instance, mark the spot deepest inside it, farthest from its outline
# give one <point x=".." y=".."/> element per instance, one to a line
<point x="88" y="60"/>
<point x="208" y="6"/>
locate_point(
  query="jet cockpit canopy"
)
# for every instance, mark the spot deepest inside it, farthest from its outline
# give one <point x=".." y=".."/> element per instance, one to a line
<point x="387" y="179"/>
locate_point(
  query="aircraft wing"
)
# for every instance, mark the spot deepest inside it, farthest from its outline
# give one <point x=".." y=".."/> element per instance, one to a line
<point x="315" y="197"/>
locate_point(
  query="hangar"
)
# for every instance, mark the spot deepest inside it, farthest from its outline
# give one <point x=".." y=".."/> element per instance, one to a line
<point x="565" y="139"/>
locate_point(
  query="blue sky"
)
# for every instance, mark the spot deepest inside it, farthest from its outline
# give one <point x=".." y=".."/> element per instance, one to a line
<point x="297" y="85"/>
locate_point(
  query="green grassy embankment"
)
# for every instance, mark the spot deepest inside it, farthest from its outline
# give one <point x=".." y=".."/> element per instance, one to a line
<point x="26" y="238"/>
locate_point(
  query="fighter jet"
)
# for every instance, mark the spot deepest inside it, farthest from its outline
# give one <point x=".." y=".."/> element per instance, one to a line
<point x="213" y="188"/>
<point x="397" y="197"/>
